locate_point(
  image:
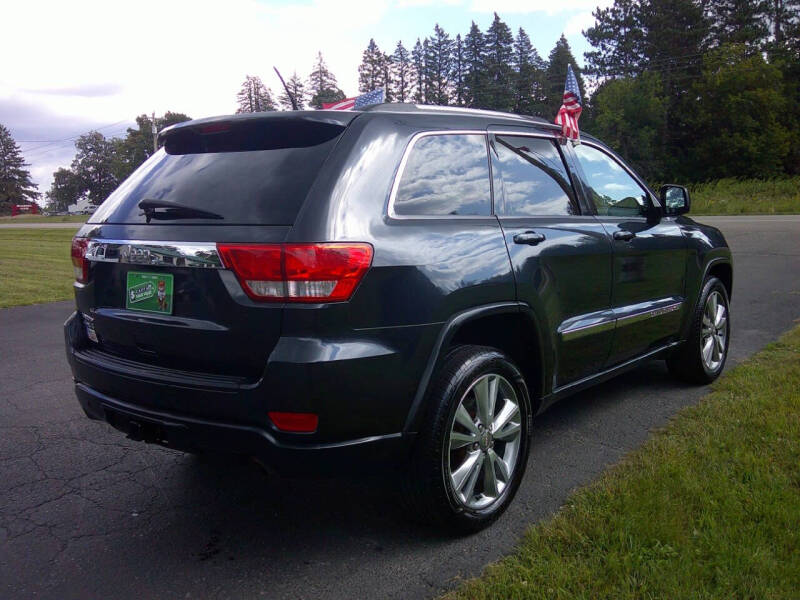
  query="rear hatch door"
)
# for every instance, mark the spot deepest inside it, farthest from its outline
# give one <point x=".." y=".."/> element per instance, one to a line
<point x="158" y="293"/>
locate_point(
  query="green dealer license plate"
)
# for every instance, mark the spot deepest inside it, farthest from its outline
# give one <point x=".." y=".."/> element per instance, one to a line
<point x="149" y="292"/>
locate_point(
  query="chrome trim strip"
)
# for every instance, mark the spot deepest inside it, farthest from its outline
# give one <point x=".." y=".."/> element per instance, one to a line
<point x="589" y="324"/>
<point x="649" y="313"/>
<point x="593" y="323"/>
<point x="521" y="133"/>
<point x="202" y="255"/>
<point x="404" y="160"/>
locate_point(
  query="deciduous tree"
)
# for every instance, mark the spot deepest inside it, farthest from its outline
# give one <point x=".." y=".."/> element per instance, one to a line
<point x="94" y="165"/>
<point x="65" y="190"/>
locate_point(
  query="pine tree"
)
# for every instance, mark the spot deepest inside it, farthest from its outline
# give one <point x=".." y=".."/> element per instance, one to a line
<point x="438" y="64"/>
<point x="560" y="57"/>
<point x="388" y="79"/>
<point x="372" y="70"/>
<point x="322" y="84"/>
<point x="618" y="39"/>
<point x="475" y="68"/>
<point x="16" y="186"/>
<point x="402" y="73"/>
<point x="500" y="76"/>
<point x="298" y="91"/>
<point x="739" y="22"/>
<point x="458" y="76"/>
<point x="254" y="96"/>
<point x="527" y="74"/>
<point x="426" y="71"/>
<point x="784" y="19"/>
<point x="418" y="58"/>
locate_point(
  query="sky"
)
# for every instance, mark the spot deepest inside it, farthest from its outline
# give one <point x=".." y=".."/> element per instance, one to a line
<point x="96" y="64"/>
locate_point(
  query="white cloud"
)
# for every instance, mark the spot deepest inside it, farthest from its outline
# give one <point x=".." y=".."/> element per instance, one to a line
<point x="98" y="62"/>
<point x="550" y="7"/>
<point x="578" y="23"/>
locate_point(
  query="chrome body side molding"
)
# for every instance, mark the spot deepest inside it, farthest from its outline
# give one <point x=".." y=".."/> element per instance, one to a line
<point x="592" y="323"/>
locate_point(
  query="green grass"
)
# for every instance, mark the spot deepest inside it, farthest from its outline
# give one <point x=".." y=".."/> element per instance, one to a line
<point x="35" y="266"/>
<point x="709" y="507"/>
<point x="42" y="219"/>
<point x="746" y="196"/>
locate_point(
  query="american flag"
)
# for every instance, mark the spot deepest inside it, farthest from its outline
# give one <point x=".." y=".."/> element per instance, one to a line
<point x="368" y="99"/>
<point x="570" y="109"/>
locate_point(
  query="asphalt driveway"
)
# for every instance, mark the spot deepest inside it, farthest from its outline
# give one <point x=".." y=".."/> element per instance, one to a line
<point x="85" y="513"/>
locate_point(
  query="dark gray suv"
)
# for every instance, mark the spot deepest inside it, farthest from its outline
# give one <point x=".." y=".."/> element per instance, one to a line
<point x="403" y="286"/>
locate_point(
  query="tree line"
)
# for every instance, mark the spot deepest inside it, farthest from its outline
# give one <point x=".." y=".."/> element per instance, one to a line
<point x="495" y="69"/>
<point x="698" y="89"/>
<point x="688" y="90"/>
<point x="102" y="163"/>
<point x="684" y="89"/>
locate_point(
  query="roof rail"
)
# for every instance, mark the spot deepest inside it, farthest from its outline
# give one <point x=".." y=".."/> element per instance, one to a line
<point x="409" y="108"/>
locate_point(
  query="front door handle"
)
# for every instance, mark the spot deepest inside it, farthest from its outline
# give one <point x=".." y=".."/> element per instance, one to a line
<point x="623" y="235"/>
<point x="529" y="237"/>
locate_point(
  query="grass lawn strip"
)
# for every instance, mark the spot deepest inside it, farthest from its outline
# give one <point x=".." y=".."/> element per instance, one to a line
<point x="35" y="266"/>
<point x="709" y="507"/>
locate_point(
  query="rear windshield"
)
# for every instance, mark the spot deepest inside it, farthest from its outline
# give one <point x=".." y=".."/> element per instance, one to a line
<point x="225" y="174"/>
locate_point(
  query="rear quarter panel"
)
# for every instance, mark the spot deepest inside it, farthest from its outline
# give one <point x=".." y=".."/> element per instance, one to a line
<point x="424" y="271"/>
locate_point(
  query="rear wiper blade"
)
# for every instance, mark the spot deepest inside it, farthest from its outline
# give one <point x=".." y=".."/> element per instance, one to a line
<point x="173" y="210"/>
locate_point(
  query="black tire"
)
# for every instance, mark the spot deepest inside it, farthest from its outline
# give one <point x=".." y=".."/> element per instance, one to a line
<point x="428" y="487"/>
<point x="686" y="362"/>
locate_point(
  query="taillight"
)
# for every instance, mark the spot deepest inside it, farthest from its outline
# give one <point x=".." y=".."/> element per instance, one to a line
<point x="326" y="272"/>
<point x="79" y="262"/>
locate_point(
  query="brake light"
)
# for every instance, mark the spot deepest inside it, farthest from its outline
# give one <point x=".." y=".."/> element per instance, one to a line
<point x="295" y="422"/>
<point x="325" y="272"/>
<point x="79" y="263"/>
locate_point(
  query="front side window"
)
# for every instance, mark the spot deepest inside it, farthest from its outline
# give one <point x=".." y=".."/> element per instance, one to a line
<point x="445" y="175"/>
<point x="534" y="178"/>
<point x="613" y="191"/>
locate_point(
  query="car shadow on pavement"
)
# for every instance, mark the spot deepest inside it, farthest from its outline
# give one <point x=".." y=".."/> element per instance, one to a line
<point x="239" y="496"/>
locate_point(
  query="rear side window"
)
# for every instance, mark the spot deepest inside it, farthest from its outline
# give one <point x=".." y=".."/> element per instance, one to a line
<point x="533" y="177"/>
<point x="445" y="175"/>
<point x="255" y="173"/>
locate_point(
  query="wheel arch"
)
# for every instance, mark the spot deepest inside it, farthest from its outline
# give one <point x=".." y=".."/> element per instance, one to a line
<point x="508" y="326"/>
<point x="722" y="270"/>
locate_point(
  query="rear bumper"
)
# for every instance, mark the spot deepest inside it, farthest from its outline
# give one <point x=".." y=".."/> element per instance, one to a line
<point x="197" y="413"/>
<point x="199" y="435"/>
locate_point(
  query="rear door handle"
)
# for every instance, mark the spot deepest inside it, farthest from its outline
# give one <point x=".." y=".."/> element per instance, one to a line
<point x="529" y="237"/>
<point x="624" y="235"/>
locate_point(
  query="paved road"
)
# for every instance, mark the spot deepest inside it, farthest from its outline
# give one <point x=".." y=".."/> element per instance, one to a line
<point x="87" y="514"/>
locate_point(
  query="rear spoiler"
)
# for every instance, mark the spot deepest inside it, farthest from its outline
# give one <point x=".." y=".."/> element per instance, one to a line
<point x="280" y="119"/>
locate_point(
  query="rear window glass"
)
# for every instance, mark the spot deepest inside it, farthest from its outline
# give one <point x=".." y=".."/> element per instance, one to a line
<point x="251" y="174"/>
<point x="446" y="175"/>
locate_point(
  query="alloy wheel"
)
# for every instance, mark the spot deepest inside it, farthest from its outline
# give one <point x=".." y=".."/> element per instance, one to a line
<point x="714" y="332"/>
<point x="484" y="442"/>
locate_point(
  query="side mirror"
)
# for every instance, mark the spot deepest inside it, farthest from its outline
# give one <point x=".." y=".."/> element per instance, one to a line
<point x="674" y="199"/>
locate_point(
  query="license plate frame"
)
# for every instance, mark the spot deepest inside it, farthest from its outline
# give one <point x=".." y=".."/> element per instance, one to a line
<point x="149" y="292"/>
